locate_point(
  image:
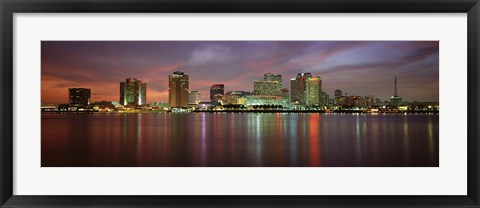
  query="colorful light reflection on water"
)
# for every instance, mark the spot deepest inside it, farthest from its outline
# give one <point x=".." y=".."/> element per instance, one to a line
<point x="239" y="140"/>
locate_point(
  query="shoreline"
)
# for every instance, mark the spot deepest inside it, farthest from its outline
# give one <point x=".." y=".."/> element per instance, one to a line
<point x="256" y="111"/>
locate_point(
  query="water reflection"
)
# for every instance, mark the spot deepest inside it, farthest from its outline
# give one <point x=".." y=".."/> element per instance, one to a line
<point x="239" y="140"/>
<point x="406" y="139"/>
<point x="358" y="140"/>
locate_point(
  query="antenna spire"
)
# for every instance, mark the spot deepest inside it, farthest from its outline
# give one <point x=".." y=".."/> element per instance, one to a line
<point x="395" y="93"/>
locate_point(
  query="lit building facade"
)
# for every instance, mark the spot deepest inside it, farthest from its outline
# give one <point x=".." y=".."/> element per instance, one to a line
<point x="369" y="101"/>
<point x="274" y="78"/>
<point x="351" y="101"/>
<point x="204" y="105"/>
<point x="178" y="90"/>
<point x="217" y="91"/>
<point x="395" y="101"/>
<point x="258" y="100"/>
<point x="298" y="87"/>
<point x="358" y="101"/>
<point x="313" y="91"/>
<point x="194" y="97"/>
<point x="234" y="97"/>
<point x="133" y="92"/>
<point x="269" y="88"/>
<point x="79" y="96"/>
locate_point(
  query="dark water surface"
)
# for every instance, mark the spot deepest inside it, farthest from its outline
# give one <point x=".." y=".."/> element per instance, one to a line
<point x="239" y="140"/>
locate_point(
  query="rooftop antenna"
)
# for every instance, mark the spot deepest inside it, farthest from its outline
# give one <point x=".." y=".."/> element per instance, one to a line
<point x="395" y="93"/>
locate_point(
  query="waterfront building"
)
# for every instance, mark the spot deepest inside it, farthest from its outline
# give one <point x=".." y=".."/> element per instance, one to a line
<point x="234" y="97"/>
<point x="341" y="101"/>
<point x="217" y="91"/>
<point x="395" y="100"/>
<point x="164" y="105"/>
<point x="79" y="96"/>
<point x="297" y="88"/>
<point x="204" y="105"/>
<point x="218" y="98"/>
<point x="49" y="107"/>
<point x="274" y="78"/>
<point x="103" y="104"/>
<point x="423" y="106"/>
<point x="269" y="88"/>
<point x="242" y="100"/>
<point x="133" y="92"/>
<point x="230" y="97"/>
<point x="194" y="97"/>
<point x="262" y="100"/>
<point x="313" y="91"/>
<point x="369" y="101"/>
<point x="178" y="90"/>
<point x="351" y="101"/>
<point x="358" y="101"/>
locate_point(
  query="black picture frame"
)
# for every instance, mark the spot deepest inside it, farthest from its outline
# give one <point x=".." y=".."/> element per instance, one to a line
<point x="9" y="7"/>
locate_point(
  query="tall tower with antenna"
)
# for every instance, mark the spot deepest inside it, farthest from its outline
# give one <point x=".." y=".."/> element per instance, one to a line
<point x="395" y="94"/>
<point x="395" y="100"/>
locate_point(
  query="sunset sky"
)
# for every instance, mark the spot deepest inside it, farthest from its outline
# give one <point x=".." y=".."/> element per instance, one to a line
<point x="357" y="67"/>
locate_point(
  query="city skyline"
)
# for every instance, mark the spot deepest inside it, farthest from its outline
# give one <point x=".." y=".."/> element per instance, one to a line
<point x="357" y="67"/>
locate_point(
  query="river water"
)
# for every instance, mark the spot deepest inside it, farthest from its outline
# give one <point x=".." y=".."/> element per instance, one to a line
<point x="239" y="140"/>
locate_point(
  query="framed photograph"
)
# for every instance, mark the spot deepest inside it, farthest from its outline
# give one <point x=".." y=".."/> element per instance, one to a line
<point x="239" y="104"/>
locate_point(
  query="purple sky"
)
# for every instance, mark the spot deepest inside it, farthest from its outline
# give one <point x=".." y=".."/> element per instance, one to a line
<point x="357" y="67"/>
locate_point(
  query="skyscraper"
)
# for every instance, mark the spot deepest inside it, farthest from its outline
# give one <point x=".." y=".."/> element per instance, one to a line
<point x="217" y="91"/>
<point x="266" y="88"/>
<point x="324" y="98"/>
<point x="313" y="91"/>
<point x="338" y="93"/>
<point x="395" y="100"/>
<point x="274" y="77"/>
<point x="194" y="97"/>
<point x="178" y="90"/>
<point x="79" y="96"/>
<point x="297" y="88"/>
<point x="133" y="92"/>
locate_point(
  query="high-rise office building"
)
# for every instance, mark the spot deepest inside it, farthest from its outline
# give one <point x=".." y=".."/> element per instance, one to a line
<point x="324" y="98"/>
<point x="313" y="91"/>
<point x="133" y="92"/>
<point x="178" y="90"/>
<point x="338" y="93"/>
<point x="297" y="88"/>
<point x="269" y="88"/>
<point x="274" y="77"/>
<point x="79" y="96"/>
<point x="194" y="97"/>
<point x="217" y="91"/>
